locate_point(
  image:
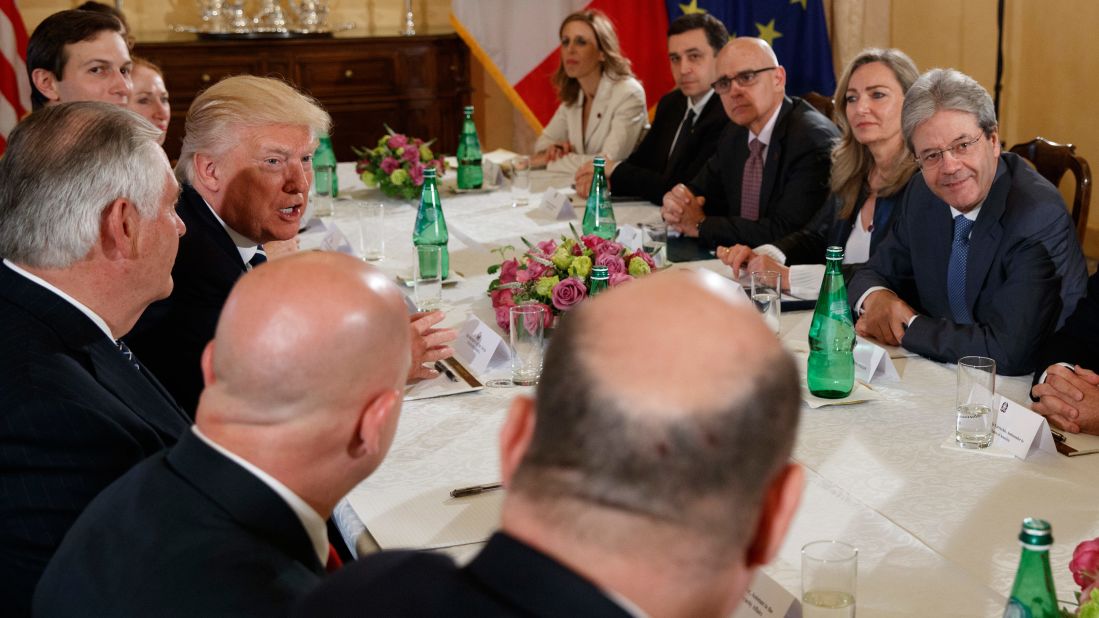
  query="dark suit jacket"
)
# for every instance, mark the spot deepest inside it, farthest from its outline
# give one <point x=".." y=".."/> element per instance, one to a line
<point x="1078" y="340"/>
<point x="508" y="578"/>
<point x="827" y="229"/>
<point x="1024" y="265"/>
<point x="170" y="336"/>
<point x="187" y="533"/>
<point x="646" y="173"/>
<point x="795" y="178"/>
<point x="74" y="416"/>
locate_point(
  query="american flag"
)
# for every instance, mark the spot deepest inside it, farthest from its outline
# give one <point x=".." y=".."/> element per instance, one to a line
<point x="15" y="93"/>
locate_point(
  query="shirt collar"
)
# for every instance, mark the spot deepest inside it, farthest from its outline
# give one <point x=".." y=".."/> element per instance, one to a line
<point x="93" y="316"/>
<point x="245" y="246"/>
<point x="769" y="128"/>
<point x="310" y="520"/>
<point x="698" y="107"/>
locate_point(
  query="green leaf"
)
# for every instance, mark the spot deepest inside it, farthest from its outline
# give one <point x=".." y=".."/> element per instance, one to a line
<point x="493" y="269"/>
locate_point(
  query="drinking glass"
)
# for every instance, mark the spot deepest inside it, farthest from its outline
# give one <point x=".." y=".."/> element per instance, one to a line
<point x="975" y="408"/>
<point x="654" y="241"/>
<point x="767" y="295"/>
<point x="527" y="324"/>
<point x="829" y="574"/>
<point x="520" y="181"/>
<point x="427" y="282"/>
<point x="322" y="185"/>
<point x="372" y="228"/>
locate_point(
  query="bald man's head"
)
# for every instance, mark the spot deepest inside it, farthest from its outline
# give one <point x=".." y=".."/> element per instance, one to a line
<point x="752" y="61"/>
<point x="667" y="397"/>
<point x="304" y="336"/>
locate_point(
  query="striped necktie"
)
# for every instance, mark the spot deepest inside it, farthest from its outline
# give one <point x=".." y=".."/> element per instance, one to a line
<point x="127" y="354"/>
<point x="259" y="258"/>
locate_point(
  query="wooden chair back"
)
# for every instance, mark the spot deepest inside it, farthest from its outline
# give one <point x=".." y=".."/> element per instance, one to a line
<point x="1052" y="160"/>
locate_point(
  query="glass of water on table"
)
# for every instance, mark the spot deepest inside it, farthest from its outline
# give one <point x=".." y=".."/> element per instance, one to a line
<point x="829" y="575"/>
<point x="975" y="406"/>
<point x="767" y="295"/>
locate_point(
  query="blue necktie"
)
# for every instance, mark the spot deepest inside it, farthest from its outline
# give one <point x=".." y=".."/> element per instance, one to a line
<point x="127" y="354"/>
<point x="259" y="258"/>
<point x="955" y="272"/>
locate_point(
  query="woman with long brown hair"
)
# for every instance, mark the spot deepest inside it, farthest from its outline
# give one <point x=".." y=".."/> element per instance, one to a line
<point x="602" y="108"/>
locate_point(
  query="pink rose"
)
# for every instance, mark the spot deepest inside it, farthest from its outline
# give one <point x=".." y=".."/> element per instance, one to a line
<point x="416" y="172"/>
<point x="509" y="270"/>
<point x="547" y="247"/>
<point x="617" y="278"/>
<point x="411" y="154"/>
<point x="533" y="272"/>
<point x="614" y="264"/>
<point x="397" y="141"/>
<point x="568" y="293"/>
<point x="609" y="248"/>
<point x="1085" y="564"/>
<point x="389" y="164"/>
<point x="591" y="241"/>
<point x="503" y="317"/>
<point x="644" y="256"/>
<point x="503" y="297"/>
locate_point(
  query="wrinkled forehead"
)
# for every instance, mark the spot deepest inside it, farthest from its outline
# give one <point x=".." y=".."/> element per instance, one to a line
<point x="286" y="139"/>
<point x="945" y="128"/>
<point x="737" y="59"/>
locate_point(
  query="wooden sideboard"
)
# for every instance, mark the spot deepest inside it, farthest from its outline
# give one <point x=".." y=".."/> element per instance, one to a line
<point x="417" y="85"/>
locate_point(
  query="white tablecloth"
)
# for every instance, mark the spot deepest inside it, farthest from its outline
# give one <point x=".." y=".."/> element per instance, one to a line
<point x="935" y="528"/>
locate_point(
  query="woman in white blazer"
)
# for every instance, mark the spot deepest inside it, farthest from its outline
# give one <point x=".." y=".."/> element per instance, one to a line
<point x="602" y="107"/>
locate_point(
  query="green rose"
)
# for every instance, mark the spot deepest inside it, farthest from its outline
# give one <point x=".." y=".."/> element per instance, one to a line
<point x="400" y="176"/>
<point x="580" y="267"/>
<point x="426" y="154"/>
<point x="638" y="267"/>
<point x="562" y="258"/>
<point x="368" y="179"/>
<point x="544" y="286"/>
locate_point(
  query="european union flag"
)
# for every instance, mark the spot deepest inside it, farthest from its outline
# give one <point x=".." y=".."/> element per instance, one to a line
<point x="795" y="29"/>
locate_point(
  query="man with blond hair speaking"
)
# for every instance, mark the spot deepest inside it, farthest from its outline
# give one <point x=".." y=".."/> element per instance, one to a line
<point x="246" y="168"/>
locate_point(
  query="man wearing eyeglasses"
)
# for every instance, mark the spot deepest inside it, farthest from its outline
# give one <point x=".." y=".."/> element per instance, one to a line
<point x="770" y="172"/>
<point x="688" y="119"/>
<point x="982" y="258"/>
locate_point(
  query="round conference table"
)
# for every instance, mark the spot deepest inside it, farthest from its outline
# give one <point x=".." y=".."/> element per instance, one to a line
<point x="935" y="527"/>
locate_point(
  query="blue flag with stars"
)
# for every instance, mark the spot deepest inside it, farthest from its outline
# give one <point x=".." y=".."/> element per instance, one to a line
<point x="795" y="29"/>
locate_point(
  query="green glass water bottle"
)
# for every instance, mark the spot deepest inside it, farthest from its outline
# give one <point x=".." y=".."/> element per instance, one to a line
<point x="325" y="159"/>
<point x="470" y="175"/>
<point x="1033" y="595"/>
<point x="430" y="226"/>
<point x="600" y="279"/>
<point x="831" y="370"/>
<point x="599" y="213"/>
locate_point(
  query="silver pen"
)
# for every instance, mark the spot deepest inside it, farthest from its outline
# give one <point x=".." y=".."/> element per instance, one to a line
<point x="474" y="490"/>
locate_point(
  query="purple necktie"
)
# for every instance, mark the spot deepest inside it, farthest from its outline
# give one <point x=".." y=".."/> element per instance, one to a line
<point x="753" y="179"/>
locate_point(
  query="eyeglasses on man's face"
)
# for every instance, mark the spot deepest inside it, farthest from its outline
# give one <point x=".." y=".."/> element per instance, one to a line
<point x="934" y="158"/>
<point x="742" y="79"/>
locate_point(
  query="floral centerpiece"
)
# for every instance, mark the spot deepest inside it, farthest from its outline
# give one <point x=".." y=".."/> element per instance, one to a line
<point x="1085" y="571"/>
<point x="557" y="275"/>
<point x="396" y="164"/>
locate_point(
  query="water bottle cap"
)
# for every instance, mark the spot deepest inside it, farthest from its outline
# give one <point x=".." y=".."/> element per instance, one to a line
<point x="833" y="253"/>
<point x="600" y="161"/>
<point x="429" y="172"/>
<point x="599" y="272"/>
<point x="469" y="109"/>
<point x="1036" y="533"/>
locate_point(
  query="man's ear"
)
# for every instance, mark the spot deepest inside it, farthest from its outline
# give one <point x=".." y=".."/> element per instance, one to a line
<point x="780" y="503"/>
<point x="207" y="364"/>
<point x="374" y="421"/>
<point x="206" y="172"/>
<point x="515" y="436"/>
<point x="46" y="83"/>
<point x="118" y="229"/>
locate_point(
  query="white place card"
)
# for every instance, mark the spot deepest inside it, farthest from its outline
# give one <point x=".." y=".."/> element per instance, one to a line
<point x="334" y="240"/>
<point x="873" y="361"/>
<point x="478" y="345"/>
<point x="630" y="237"/>
<point x="765" y="597"/>
<point x="1020" y="430"/>
<point x="557" y="205"/>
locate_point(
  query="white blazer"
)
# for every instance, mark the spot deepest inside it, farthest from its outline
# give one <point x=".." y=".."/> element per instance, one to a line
<point x="617" y="120"/>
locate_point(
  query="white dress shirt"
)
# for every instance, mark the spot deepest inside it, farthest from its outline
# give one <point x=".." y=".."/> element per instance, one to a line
<point x="765" y="133"/>
<point x="246" y="247"/>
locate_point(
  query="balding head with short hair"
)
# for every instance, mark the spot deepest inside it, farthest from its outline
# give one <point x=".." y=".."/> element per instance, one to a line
<point x="306" y="347"/>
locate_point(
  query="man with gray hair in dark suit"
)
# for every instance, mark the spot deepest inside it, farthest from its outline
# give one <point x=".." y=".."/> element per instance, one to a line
<point x="88" y="234"/>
